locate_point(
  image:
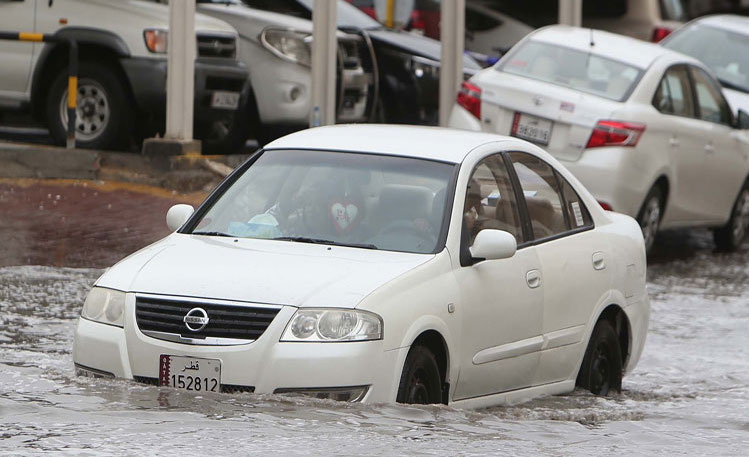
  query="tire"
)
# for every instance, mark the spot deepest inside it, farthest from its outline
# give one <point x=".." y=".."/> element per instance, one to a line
<point x="228" y="137"/>
<point x="103" y="115"/>
<point x="650" y="216"/>
<point x="420" y="382"/>
<point x="730" y="236"/>
<point x="601" y="370"/>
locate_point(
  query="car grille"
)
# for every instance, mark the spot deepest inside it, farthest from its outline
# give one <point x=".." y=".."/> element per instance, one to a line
<point x="217" y="46"/>
<point x="163" y="318"/>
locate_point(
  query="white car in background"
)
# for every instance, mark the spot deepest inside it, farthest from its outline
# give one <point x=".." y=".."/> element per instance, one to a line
<point x="645" y="129"/>
<point x="722" y="43"/>
<point x="341" y="262"/>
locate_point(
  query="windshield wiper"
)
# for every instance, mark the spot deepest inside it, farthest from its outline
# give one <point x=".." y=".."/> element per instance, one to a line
<point x="213" y="234"/>
<point x="730" y="85"/>
<point x="302" y="239"/>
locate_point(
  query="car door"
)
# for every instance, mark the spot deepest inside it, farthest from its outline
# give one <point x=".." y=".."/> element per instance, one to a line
<point x="17" y="16"/>
<point x="677" y="133"/>
<point x="723" y="167"/>
<point x="501" y="299"/>
<point x="573" y="258"/>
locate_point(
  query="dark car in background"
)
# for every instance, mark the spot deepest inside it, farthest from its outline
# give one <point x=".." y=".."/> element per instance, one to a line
<point x="407" y="65"/>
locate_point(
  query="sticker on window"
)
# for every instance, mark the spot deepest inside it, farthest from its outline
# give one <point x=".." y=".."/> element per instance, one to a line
<point x="578" y="214"/>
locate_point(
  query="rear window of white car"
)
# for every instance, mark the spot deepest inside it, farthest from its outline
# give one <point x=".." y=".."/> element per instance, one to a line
<point x="571" y="68"/>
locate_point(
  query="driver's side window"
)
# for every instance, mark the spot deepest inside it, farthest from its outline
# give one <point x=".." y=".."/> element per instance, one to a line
<point x="490" y="200"/>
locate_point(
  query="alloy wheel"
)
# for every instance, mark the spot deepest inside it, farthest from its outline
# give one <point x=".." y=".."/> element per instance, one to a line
<point x="651" y="219"/>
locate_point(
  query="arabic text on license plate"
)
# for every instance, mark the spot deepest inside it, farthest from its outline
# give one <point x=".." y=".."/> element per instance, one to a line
<point x="227" y="100"/>
<point x="190" y="373"/>
<point x="532" y="128"/>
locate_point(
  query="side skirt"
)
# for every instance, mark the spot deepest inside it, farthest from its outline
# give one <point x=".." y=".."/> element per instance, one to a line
<point x="516" y="396"/>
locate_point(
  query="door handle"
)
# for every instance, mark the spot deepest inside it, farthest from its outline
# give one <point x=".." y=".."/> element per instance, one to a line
<point x="533" y="278"/>
<point x="709" y="148"/>
<point x="673" y="142"/>
<point x="599" y="261"/>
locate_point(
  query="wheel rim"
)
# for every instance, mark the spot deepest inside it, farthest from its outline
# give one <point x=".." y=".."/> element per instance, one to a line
<point x="92" y="113"/>
<point x="740" y="217"/>
<point x="600" y="370"/>
<point x="418" y="392"/>
<point x="651" y="219"/>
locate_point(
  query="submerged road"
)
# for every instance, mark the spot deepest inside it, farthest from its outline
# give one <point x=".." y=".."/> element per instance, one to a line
<point x="688" y="396"/>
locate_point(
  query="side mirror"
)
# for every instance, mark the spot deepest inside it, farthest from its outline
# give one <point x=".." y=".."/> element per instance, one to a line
<point x="742" y="120"/>
<point x="178" y="215"/>
<point x="491" y="244"/>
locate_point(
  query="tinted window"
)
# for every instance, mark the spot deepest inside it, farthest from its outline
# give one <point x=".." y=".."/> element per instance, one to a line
<point x="479" y="22"/>
<point x="542" y="195"/>
<point x="490" y="200"/>
<point x="711" y="105"/>
<point x="674" y="94"/>
<point x="571" y="68"/>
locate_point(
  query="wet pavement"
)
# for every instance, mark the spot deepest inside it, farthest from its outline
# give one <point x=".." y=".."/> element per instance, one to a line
<point x="689" y="394"/>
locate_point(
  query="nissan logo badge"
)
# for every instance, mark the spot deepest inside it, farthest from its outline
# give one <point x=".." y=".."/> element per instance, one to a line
<point x="196" y="319"/>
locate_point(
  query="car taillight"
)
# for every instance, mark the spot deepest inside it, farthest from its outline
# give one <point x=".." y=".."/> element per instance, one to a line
<point x="469" y="98"/>
<point x="615" y="133"/>
<point x="417" y="21"/>
<point x="660" y="33"/>
<point x="605" y="206"/>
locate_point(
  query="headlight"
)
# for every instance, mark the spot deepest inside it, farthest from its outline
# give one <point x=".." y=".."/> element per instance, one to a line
<point x="156" y="40"/>
<point x="105" y="306"/>
<point x="333" y="325"/>
<point x="422" y="67"/>
<point x="288" y="44"/>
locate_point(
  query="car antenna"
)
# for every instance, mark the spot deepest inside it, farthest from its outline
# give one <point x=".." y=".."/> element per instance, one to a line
<point x="592" y="43"/>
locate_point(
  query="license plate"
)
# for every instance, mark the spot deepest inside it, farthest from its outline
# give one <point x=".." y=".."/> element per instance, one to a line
<point x="190" y="373"/>
<point x="225" y="100"/>
<point x="531" y="128"/>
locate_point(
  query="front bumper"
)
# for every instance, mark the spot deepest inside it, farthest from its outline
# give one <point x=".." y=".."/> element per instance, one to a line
<point x="147" y="80"/>
<point x="265" y="365"/>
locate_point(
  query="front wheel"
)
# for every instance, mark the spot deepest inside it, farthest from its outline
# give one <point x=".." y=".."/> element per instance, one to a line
<point x="730" y="236"/>
<point x="601" y="370"/>
<point x="420" y="382"/>
<point x="649" y="217"/>
<point x="102" y="113"/>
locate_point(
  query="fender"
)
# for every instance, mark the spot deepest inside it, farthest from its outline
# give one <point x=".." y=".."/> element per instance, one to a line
<point x="421" y="325"/>
<point x="84" y="36"/>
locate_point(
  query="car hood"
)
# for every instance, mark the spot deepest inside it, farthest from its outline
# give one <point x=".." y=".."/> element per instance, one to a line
<point x="418" y="45"/>
<point x="259" y="271"/>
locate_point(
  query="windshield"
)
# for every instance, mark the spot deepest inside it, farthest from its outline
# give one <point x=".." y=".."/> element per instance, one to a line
<point x="360" y="200"/>
<point x="726" y="53"/>
<point x="577" y="70"/>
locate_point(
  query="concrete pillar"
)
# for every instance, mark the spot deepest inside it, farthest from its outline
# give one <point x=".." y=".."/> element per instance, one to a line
<point x="571" y="12"/>
<point x="452" y="33"/>
<point x="324" y="53"/>
<point x="180" y="80"/>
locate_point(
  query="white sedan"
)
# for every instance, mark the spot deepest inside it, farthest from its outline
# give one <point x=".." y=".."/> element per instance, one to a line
<point x="380" y="264"/>
<point x="645" y="129"/>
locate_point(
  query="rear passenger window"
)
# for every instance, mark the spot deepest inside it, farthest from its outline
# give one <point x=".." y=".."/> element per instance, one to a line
<point x="674" y="95"/>
<point x="543" y="197"/>
<point x="577" y="213"/>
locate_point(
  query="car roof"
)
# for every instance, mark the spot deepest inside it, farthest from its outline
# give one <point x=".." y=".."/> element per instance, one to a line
<point x="434" y="143"/>
<point x="635" y="52"/>
<point x="731" y="22"/>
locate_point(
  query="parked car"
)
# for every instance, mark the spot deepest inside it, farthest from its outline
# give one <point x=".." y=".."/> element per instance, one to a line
<point x="472" y="270"/>
<point x="647" y="130"/>
<point x="721" y="43"/>
<point x="407" y="65"/>
<point x="122" y="70"/>
<point x="276" y="49"/>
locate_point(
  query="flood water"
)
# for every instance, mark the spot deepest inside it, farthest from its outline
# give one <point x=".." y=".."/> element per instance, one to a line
<point x="688" y="396"/>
